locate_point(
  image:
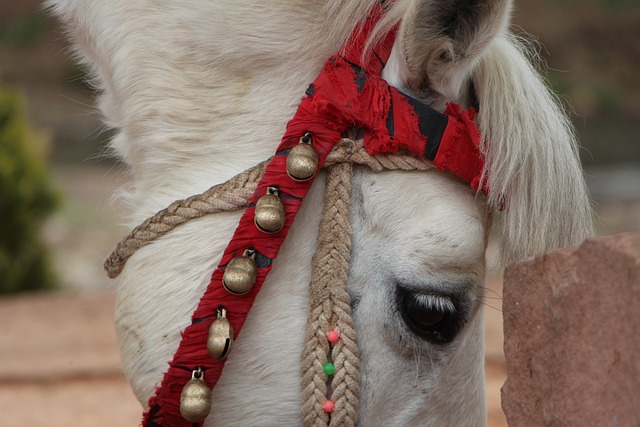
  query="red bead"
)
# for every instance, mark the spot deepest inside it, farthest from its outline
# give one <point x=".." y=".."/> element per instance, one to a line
<point x="328" y="406"/>
<point x="333" y="336"/>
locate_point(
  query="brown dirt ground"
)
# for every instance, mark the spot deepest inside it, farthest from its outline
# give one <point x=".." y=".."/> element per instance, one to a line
<point x="59" y="364"/>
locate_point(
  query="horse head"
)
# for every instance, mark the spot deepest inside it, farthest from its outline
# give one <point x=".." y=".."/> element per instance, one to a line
<point x="200" y="90"/>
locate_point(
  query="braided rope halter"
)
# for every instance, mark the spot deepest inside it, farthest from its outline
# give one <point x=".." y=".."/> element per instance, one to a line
<point x="348" y="94"/>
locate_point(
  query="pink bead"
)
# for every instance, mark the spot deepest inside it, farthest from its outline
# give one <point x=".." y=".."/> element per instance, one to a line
<point x="328" y="406"/>
<point x="333" y="336"/>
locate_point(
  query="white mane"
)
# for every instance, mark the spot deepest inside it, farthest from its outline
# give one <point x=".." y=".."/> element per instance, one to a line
<point x="531" y="153"/>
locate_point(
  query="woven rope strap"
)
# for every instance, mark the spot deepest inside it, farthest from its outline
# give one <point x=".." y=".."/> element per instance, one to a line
<point x="234" y="195"/>
<point x="231" y="195"/>
<point x="330" y="310"/>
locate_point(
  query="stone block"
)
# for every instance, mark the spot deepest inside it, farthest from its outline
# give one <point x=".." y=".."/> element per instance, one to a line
<point x="572" y="336"/>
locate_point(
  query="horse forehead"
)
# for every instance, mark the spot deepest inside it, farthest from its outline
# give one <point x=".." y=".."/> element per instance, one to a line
<point x="429" y="197"/>
<point x="419" y="210"/>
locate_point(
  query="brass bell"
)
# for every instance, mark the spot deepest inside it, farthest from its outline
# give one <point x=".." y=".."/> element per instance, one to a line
<point x="240" y="274"/>
<point x="302" y="161"/>
<point x="269" y="215"/>
<point x="220" y="338"/>
<point x="195" y="399"/>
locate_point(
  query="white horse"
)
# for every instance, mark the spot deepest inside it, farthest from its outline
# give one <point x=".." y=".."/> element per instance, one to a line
<point x="200" y="90"/>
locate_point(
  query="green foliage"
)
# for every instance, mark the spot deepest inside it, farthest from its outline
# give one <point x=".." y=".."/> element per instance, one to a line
<point x="26" y="198"/>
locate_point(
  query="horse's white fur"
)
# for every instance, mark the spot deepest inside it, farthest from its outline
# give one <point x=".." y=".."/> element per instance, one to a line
<point x="418" y="245"/>
<point x="201" y="90"/>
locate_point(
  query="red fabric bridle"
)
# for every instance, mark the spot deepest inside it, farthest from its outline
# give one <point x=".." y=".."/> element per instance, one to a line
<point x="348" y="92"/>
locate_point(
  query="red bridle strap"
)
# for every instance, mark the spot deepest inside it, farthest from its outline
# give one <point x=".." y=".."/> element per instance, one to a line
<point x="348" y="92"/>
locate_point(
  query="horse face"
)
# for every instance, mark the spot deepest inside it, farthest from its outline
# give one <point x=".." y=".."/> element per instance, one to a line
<point x="415" y="280"/>
<point x="221" y="78"/>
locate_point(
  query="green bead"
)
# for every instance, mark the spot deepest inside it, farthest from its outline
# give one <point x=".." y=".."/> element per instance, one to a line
<point x="329" y="369"/>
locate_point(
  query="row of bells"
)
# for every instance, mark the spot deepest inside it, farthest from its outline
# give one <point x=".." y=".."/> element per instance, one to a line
<point x="240" y="276"/>
<point x="195" y="399"/>
<point x="270" y="216"/>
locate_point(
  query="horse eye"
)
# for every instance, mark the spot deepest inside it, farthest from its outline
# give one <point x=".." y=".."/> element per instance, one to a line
<point x="431" y="317"/>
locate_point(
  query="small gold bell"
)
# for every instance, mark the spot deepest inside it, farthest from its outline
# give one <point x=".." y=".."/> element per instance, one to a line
<point x="195" y="399"/>
<point x="220" y="338"/>
<point x="241" y="273"/>
<point x="302" y="161"/>
<point x="269" y="215"/>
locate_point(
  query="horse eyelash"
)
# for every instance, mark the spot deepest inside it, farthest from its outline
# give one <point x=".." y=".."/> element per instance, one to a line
<point x="435" y="302"/>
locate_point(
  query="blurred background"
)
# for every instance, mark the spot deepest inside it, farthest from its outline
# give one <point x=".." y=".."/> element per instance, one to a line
<point x="59" y="219"/>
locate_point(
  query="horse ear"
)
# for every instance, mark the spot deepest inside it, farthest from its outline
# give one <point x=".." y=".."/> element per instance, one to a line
<point x="532" y="165"/>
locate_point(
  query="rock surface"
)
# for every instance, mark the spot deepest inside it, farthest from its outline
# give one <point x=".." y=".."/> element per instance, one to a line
<point x="572" y="346"/>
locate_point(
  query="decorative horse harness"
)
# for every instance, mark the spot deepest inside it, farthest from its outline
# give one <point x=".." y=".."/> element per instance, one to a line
<point x="349" y="93"/>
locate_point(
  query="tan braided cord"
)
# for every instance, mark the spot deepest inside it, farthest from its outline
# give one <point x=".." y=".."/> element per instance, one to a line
<point x="330" y="309"/>
<point x="235" y="193"/>
<point x="228" y="196"/>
